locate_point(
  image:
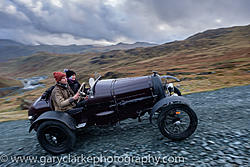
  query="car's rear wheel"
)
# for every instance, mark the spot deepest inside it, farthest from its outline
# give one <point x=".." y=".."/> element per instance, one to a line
<point x="177" y="121"/>
<point x="55" y="137"/>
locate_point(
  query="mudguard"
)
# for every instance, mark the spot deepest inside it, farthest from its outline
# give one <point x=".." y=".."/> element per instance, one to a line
<point x="58" y="116"/>
<point x="168" y="101"/>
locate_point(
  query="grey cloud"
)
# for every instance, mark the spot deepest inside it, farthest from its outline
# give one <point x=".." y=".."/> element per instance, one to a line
<point x="138" y="20"/>
<point x="202" y="14"/>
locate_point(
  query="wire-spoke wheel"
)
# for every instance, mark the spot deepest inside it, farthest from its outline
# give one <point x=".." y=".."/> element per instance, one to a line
<point x="177" y="121"/>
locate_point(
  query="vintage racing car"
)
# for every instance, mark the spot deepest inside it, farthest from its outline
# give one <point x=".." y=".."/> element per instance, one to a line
<point x="110" y="101"/>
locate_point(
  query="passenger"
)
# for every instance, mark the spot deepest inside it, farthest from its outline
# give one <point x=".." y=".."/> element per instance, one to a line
<point x="71" y="77"/>
<point x="62" y="95"/>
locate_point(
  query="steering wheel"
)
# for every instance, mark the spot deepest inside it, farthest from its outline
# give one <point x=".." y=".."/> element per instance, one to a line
<point x="81" y="91"/>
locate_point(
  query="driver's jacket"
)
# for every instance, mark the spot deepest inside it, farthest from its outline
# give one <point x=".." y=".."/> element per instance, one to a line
<point x="62" y="97"/>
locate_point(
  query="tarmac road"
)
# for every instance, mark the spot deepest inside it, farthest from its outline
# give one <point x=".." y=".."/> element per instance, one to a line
<point x="221" y="139"/>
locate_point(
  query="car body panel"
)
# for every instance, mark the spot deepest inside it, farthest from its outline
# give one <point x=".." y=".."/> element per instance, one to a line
<point x="113" y="100"/>
<point x="63" y="117"/>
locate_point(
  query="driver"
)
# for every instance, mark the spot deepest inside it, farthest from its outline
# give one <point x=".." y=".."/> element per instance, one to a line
<point x="62" y="95"/>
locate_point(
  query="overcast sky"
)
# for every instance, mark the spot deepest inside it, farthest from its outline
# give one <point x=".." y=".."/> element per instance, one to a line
<point x="111" y="21"/>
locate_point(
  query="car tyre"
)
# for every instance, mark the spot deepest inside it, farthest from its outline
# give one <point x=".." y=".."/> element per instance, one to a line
<point x="55" y="137"/>
<point x="166" y="111"/>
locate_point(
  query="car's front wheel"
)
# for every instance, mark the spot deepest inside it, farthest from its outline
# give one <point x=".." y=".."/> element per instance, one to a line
<point x="177" y="121"/>
<point x="55" y="137"/>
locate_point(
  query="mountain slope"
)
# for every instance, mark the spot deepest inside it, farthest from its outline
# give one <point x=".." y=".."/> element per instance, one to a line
<point x="8" y="85"/>
<point x="212" y="59"/>
<point x="10" y="49"/>
<point x="7" y="42"/>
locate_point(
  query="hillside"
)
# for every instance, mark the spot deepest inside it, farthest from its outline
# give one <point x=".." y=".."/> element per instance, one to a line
<point x="7" y="42"/>
<point x="217" y="58"/>
<point x="10" y="49"/>
<point x="8" y="82"/>
<point x="205" y="61"/>
<point x="8" y="85"/>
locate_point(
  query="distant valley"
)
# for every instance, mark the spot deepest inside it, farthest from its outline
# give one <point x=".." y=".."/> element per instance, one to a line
<point x="11" y="49"/>
<point x="207" y="60"/>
